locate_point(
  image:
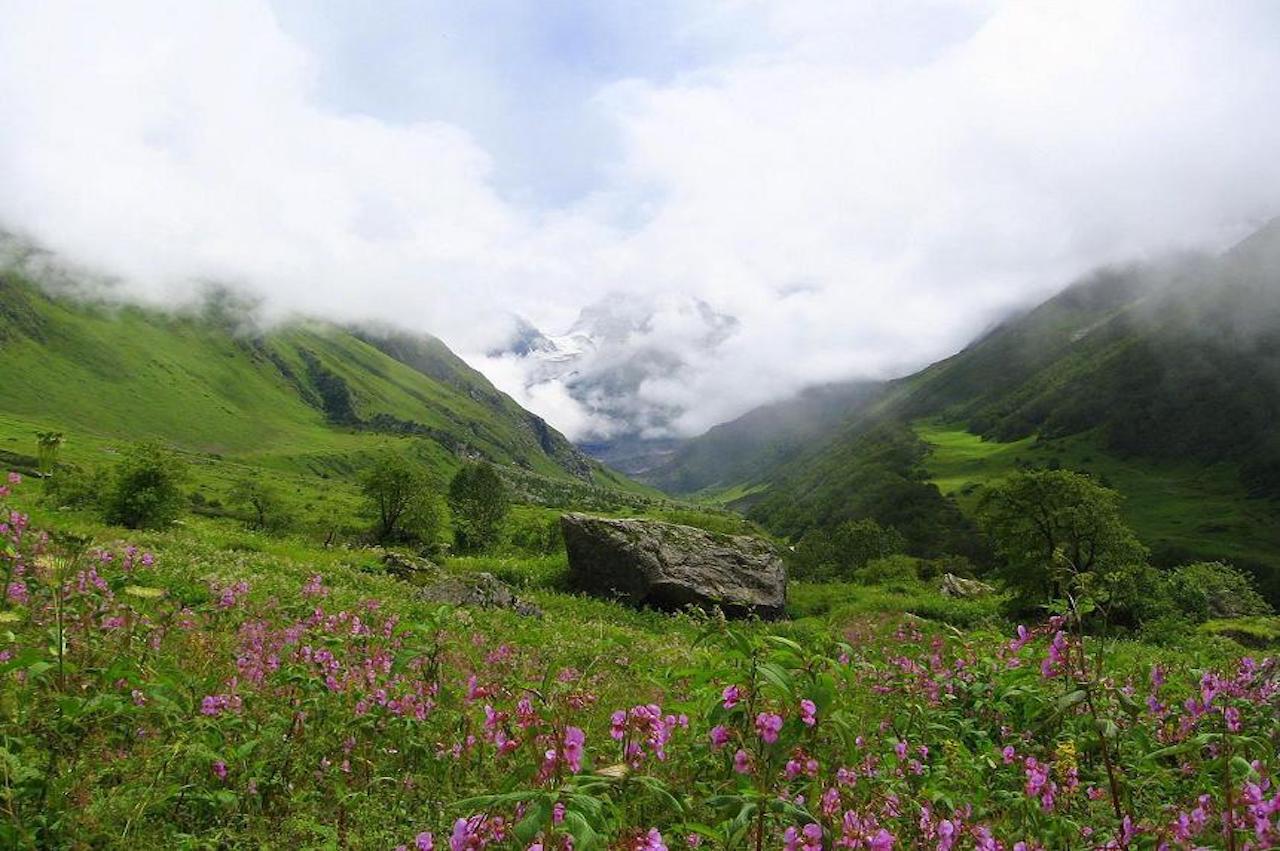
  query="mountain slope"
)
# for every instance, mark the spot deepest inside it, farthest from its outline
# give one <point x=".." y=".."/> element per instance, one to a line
<point x="294" y="395"/>
<point x="1164" y="380"/>
<point x="745" y="450"/>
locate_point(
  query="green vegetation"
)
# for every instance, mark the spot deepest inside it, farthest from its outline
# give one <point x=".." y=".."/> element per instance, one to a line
<point x="400" y="500"/>
<point x="1053" y="529"/>
<point x="145" y="491"/>
<point x="478" y="506"/>
<point x="215" y="686"/>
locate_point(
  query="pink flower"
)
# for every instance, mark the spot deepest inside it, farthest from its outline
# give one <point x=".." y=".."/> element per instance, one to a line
<point x="719" y="736"/>
<point x="220" y="770"/>
<point x="742" y="762"/>
<point x="808" y="712"/>
<point x="573" y="742"/>
<point x="424" y="842"/>
<point x="731" y="696"/>
<point x="651" y="841"/>
<point x="768" y="725"/>
<point x="15" y="479"/>
<point x="881" y="841"/>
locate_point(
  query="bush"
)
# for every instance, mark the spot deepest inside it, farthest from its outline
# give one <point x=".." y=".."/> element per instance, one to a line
<point x="1208" y="590"/>
<point x="840" y="553"/>
<point x="72" y="486"/>
<point x="263" y="502"/>
<point x="894" y="568"/>
<point x="145" y="490"/>
<point x="534" y="533"/>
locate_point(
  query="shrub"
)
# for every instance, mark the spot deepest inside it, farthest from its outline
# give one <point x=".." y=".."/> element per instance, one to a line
<point x="72" y="486"/>
<point x="842" y="551"/>
<point x="894" y="568"/>
<point x="145" y="488"/>
<point x="479" y="505"/>
<point x="1208" y="590"/>
<point x="262" y="501"/>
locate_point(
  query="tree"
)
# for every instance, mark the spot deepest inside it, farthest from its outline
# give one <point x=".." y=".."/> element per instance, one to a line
<point x="838" y="554"/>
<point x="145" y="490"/>
<point x="262" y="500"/>
<point x="478" y="504"/>
<point x="859" y="542"/>
<point x="1056" y="531"/>
<point x="48" y="443"/>
<point x="398" y="495"/>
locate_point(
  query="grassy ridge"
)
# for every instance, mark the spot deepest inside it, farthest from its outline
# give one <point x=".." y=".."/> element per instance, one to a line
<point x="304" y="397"/>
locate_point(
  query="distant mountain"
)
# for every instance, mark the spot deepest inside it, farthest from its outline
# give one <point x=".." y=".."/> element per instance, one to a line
<point x="1164" y="379"/>
<point x="306" y="395"/>
<point x="749" y="449"/>
<point x="605" y="358"/>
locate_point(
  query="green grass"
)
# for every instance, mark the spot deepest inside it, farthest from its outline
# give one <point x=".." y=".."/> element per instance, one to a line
<point x="1189" y="506"/>
<point x="190" y="380"/>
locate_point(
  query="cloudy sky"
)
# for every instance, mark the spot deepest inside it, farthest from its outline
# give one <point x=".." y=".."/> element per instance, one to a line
<point x="862" y="185"/>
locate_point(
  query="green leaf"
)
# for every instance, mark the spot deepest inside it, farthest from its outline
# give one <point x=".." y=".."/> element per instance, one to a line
<point x="778" y="677"/>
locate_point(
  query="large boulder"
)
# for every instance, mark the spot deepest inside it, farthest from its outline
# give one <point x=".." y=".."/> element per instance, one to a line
<point x="647" y="563"/>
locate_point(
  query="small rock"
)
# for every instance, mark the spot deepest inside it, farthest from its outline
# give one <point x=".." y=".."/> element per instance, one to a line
<point x="407" y="567"/>
<point x="483" y="590"/>
<point x="961" y="588"/>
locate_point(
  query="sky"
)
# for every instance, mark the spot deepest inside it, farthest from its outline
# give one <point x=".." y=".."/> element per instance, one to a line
<point x="861" y="186"/>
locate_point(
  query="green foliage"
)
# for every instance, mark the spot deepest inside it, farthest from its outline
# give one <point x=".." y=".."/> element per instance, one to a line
<point x="841" y="552"/>
<point x="1050" y="527"/>
<point x="47" y="445"/>
<point x="145" y="490"/>
<point x="478" y="507"/>
<point x="399" y="498"/>
<point x="1212" y="590"/>
<point x="263" y="501"/>
<point x="887" y="569"/>
<point x="173" y="699"/>
<point x="73" y="486"/>
<point x="877" y="473"/>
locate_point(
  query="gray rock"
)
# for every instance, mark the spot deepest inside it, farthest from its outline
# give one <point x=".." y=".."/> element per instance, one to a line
<point x="959" y="587"/>
<point x="407" y="567"/>
<point x="483" y="590"/>
<point x="648" y="563"/>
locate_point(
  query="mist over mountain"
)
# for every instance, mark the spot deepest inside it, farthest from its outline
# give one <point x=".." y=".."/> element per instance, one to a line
<point x="862" y="187"/>
<point x="619" y="375"/>
<point x="1162" y="378"/>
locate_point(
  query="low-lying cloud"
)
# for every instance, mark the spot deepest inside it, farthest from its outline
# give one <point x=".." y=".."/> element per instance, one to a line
<point x="861" y="186"/>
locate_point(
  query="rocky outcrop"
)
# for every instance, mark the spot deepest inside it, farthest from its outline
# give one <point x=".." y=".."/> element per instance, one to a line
<point x="480" y="590"/>
<point x="961" y="588"/>
<point x="648" y="563"/>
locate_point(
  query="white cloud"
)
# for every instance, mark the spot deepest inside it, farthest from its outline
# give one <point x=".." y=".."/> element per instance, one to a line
<point x="863" y="185"/>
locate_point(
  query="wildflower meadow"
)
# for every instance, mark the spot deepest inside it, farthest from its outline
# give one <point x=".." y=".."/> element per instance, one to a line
<point x="179" y="693"/>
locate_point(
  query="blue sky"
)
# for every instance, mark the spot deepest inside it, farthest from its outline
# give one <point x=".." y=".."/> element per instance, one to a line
<point x="519" y="76"/>
<point x="862" y="184"/>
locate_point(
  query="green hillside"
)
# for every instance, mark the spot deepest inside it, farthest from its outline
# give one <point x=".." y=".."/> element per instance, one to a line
<point x="1161" y="380"/>
<point x="304" y="397"/>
